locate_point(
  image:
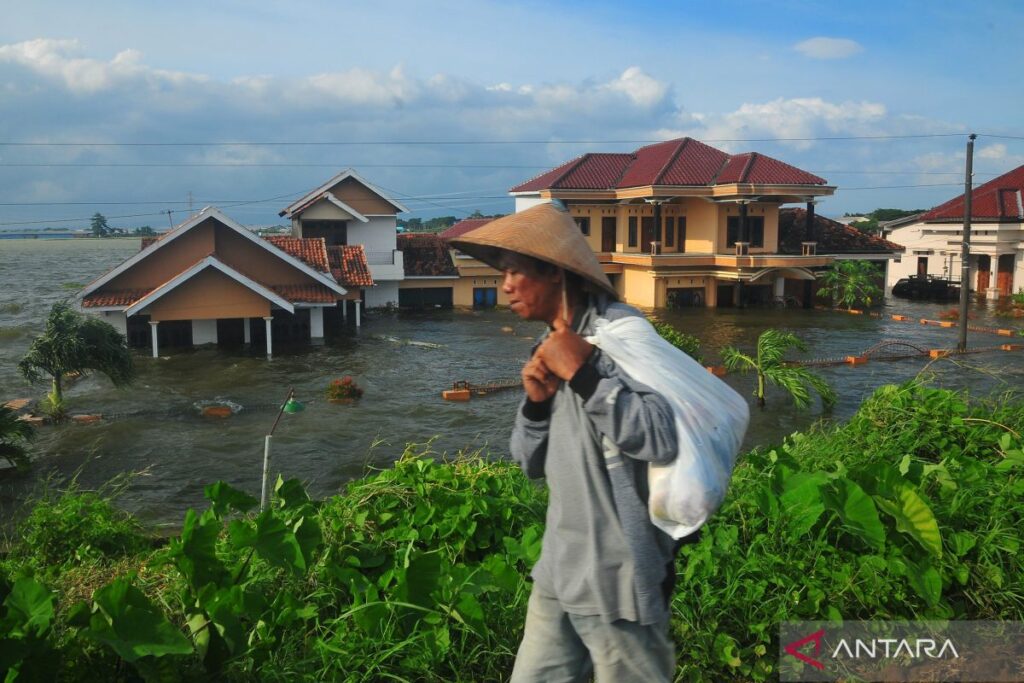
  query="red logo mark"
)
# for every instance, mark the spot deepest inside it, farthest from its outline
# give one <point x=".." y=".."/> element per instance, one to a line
<point x="794" y="649"/>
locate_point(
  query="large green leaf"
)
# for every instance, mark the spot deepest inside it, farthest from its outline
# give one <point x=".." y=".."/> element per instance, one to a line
<point x="913" y="517"/>
<point x="224" y="497"/>
<point x="801" y="502"/>
<point x="195" y="554"/>
<point x="856" y="510"/>
<point x="420" y="579"/>
<point x="126" y="621"/>
<point x="926" y="581"/>
<point x="29" y="608"/>
<point x="272" y="539"/>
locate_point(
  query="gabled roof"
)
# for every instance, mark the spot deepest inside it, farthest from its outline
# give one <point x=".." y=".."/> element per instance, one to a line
<point x="347" y="173"/>
<point x="680" y="162"/>
<point x="114" y="299"/>
<point x="208" y="262"/>
<point x="462" y="227"/>
<point x="426" y="255"/>
<point x="322" y="277"/>
<point x="328" y="197"/>
<point x="348" y="265"/>
<point x="832" y="236"/>
<point x="999" y="200"/>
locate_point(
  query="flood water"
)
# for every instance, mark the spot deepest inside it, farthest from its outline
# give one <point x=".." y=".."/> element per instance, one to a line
<point x="154" y="427"/>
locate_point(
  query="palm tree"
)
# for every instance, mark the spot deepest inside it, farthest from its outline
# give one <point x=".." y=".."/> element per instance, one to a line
<point x="73" y="342"/>
<point x="849" y="282"/>
<point x="14" y="436"/>
<point x="770" y="368"/>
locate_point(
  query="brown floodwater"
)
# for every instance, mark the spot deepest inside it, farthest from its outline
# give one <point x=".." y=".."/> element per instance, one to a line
<point x="154" y="427"/>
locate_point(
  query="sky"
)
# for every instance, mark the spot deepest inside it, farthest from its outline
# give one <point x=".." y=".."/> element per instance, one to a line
<point x="131" y="108"/>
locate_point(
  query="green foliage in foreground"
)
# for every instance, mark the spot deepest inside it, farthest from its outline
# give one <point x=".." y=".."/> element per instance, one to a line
<point x="14" y="437"/>
<point x="910" y="510"/>
<point x="687" y="343"/>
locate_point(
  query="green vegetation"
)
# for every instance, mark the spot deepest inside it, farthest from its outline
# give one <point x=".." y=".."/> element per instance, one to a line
<point x="14" y="437"/>
<point x="772" y="369"/>
<point x="880" y="216"/>
<point x="849" y="283"/>
<point x="98" y="225"/>
<point x="73" y="342"/>
<point x="687" y="343"/>
<point x="12" y="307"/>
<point x="911" y="510"/>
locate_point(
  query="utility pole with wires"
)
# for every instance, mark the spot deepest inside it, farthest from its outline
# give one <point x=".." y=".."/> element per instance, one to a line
<point x="965" y="247"/>
<point x="170" y="222"/>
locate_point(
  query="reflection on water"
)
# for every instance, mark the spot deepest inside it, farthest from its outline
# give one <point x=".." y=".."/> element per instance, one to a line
<point x="157" y="428"/>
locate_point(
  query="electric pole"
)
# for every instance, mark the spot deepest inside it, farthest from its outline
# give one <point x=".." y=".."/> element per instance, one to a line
<point x="965" y="247"/>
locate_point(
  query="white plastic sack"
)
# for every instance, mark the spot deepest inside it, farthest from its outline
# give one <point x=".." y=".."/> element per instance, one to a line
<point x="710" y="420"/>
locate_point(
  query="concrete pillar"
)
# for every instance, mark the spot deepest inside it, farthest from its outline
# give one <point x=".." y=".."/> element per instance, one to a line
<point x="711" y="293"/>
<point x="780" y="287"/>
<point x="152" y="329"/>
<point x="316" y="323"/>
<point x="357" y="312"/>
<point x="344" y="310"/>
<point x="204" y="332"/>
<point x="810" y="235"/>
<point x="247" y="329"/>
<point x="270" y="347"/>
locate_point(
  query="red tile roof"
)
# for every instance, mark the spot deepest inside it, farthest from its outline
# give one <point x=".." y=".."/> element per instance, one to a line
<point x="308" y="294"/>
<point x="426" y="255"/>
<point x="310" y="250"/>
<point x="348" y="265"/>
<point x="832" y="236"/>
<point x="119" y="297"/>
<point x="684" y="161"/>
<point x="998" y="200"/>
<point x="463" y="226"/>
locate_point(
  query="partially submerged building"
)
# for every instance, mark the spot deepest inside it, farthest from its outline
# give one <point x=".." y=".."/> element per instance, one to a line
<point x="211" y="280"/>
<point x="684" y="221"/>
<point x="933" y="239"/>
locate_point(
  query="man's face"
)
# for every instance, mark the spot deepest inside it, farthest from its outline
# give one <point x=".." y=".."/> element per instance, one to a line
<point x="532" y="296"/>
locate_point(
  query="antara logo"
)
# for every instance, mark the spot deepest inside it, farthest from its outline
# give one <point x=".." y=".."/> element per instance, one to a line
<point x="794" y="649"/>
<point x="873" y="648"/>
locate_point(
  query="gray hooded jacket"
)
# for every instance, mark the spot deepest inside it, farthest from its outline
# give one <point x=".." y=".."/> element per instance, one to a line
<point x="592" y="441"/>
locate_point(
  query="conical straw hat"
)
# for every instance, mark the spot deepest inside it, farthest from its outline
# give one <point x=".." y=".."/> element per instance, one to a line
<point x="544" y="232"/>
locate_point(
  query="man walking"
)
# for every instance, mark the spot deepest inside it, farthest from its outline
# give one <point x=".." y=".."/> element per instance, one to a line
<point x="603" y="582"/>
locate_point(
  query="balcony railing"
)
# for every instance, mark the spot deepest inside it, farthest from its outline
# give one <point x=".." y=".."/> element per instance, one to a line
<point x="381" y="258"/>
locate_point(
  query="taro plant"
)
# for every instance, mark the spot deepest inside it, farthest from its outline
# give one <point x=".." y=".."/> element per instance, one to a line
<point x="771" y="368"/>
<point x="75" y="343"/>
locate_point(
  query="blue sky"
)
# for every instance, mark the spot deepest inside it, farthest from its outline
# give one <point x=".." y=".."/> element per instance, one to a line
<point x="538" y="77"/>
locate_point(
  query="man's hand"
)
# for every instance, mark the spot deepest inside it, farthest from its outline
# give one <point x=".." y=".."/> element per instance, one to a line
<point x="539" y="383"/>
<point x="564" y="351"/>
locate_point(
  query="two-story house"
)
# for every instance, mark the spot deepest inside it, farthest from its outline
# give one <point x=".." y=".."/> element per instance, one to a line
<point x="348" y="210"/>
<point x="684" y="221"/>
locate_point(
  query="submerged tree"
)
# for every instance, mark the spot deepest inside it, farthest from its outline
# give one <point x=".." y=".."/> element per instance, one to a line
<point x="850" y="282"/>
<point x="14" y="437"/>
<point x="73" y="342"/>
<point x="99" y="225"/>
<point x="772" y="369"/>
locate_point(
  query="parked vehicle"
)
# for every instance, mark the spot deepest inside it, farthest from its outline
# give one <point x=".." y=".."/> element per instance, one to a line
<point x="926" y="287"/>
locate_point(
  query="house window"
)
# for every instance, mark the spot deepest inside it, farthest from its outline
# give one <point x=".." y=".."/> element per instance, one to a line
<point x="682" y="233"/>
<point x="632" y="231"/>
<point x="485" y="297"/>
<point x="755" y="231"/>
<point x="670" y="231"/>
<point x="584" y="225"/>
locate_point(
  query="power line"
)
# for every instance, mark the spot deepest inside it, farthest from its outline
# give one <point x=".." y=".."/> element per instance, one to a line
<point x="256" y="164"/>
<point x="329" y="143"/>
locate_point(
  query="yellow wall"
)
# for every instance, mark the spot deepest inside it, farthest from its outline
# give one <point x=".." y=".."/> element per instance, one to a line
<point x="167" y="260"/>
<point x="208" y="296"/>
<point x="701" y="226"/>
<point x="638" y="287"/>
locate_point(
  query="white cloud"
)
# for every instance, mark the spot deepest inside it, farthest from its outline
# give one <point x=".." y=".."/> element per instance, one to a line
<point x="55" y="59"/>
<point x="828" y="48"/>
<point x="640" y="88"/>
<point x="995" y="152"/>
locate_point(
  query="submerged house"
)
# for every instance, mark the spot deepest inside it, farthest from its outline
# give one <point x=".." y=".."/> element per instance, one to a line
<point x="682" y="221"/>
<point x="933" y="239"/>
<point x="211" y="280"/>
<point x="347" y="210"/>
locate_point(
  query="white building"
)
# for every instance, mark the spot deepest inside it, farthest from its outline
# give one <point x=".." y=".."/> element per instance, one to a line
<point x="349" y="210"/>
<point x="933" y="241"/>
